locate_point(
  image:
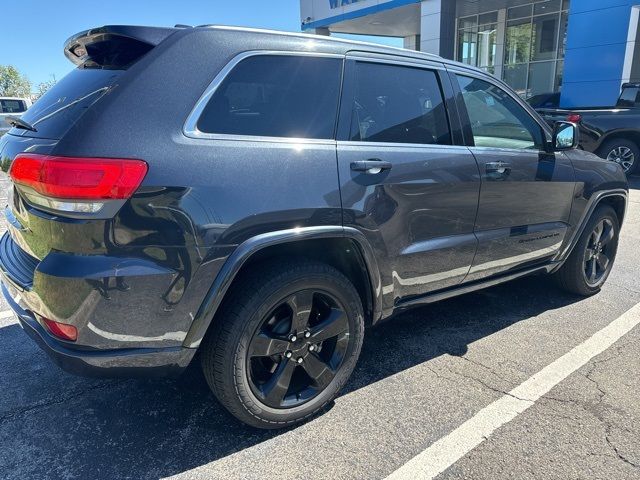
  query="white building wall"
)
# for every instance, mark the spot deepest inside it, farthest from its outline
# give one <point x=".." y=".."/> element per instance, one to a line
<point x="430" y="35"/>
<point x="430" y="26"/>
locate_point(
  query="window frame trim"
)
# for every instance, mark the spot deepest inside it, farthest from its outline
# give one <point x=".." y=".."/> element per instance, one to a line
<point x="190" y="128"/>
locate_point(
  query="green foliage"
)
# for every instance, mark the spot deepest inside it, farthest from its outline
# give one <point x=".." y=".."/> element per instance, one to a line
<point x="42" y="87"/>
<point x="13" y="83"/>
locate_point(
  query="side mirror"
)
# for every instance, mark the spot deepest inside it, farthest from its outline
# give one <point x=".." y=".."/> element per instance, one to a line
<point x="566" y="136"/>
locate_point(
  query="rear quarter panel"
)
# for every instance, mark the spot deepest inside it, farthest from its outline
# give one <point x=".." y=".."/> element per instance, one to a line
<point x="200" y="199"/>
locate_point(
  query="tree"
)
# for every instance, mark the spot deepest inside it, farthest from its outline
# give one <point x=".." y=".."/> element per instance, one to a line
<point x="43" y="87"/>
<point x="13" y="83"/>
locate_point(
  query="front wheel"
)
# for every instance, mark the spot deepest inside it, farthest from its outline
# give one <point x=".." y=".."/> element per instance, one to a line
<point x="591" y="261"/>
<point x="284" y="344"/>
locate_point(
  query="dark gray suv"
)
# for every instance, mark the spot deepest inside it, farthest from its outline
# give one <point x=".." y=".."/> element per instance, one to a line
<point x="260" y="197"/>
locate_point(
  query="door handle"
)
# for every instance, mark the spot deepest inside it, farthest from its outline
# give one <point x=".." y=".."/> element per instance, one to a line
<point x="373" y="166"/>
<point x="498" y="168"/>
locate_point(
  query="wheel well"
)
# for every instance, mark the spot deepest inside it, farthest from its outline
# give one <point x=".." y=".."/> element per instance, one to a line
<point x="343" y="254"/>
<point x="632" y="136"/>
<point x="618" y="203"/>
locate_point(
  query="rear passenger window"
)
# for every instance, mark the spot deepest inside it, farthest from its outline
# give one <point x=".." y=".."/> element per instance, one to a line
<point x="396" y="104"/>
<point x="276" y="96"/>
<point x="497" y="120"/>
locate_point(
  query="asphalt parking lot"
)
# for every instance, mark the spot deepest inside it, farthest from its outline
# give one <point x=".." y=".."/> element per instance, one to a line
<point x="419" y="378"/>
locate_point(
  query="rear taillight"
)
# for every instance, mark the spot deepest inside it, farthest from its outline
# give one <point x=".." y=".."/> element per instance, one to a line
<point x="574" y="118"/>
<point x="61" y="330"/>
<point x="76" y="184"/>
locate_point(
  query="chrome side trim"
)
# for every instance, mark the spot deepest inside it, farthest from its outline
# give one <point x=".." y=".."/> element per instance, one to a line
<point x="190" y="128"/>
<point x="374" y="57"/>
<point x="430" y="146"/>
<point x="249" y="247"/>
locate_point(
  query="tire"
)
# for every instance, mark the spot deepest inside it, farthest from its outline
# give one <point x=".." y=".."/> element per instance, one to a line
<point x="250" y="352"/>
<point x="576" y="275"/>
<point x="622" y="151"/>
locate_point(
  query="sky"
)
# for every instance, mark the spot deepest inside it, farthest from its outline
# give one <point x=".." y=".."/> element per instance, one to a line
<point x="33" y="32"/>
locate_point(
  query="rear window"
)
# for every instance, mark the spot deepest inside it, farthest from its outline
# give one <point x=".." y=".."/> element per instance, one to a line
<point x="58" y="109"/>
<point x="12" y="106"/>
<point x="276" y="96"/>
<point x="394" y="104"/>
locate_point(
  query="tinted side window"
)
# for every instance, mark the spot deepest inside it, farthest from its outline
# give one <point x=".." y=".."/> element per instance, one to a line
<point x="398" y="105"/>
<point x="629" y="98"/>
<point x="497" y="120"/>
<point x="276" y="96"/>
<point x="12" y="106"/>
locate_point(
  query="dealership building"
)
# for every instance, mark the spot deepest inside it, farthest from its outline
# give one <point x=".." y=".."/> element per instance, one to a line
<point x="584" y="49"/>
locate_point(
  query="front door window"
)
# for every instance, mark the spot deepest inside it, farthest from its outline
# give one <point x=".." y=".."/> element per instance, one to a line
<point x="497" y="120"/>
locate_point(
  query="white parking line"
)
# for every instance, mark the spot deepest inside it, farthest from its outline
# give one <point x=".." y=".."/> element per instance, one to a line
<point x="6" y="314"/>
<point x="451" y="448"/>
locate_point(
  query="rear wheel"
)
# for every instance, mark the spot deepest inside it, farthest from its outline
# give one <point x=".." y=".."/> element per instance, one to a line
<point x="624" y="152"/>
<point x="284" y="344"/>
<point x="591" y="261"/>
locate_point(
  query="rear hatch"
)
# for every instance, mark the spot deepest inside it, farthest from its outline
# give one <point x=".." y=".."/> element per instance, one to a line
<point x="102" y="56"/>
<point x="39" y="220"/>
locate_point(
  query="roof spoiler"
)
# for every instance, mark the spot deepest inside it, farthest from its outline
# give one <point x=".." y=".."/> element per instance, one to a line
<point x="113" y="46"/>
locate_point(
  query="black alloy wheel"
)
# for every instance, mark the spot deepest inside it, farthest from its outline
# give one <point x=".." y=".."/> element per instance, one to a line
<point x="298" y="348"/>
<point x="284" y="342"/>
<point x="588" y="266"/>
<point x="598" y="254"/>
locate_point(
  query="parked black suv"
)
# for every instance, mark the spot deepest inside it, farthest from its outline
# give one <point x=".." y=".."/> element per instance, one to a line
<point x="259" y="197"/>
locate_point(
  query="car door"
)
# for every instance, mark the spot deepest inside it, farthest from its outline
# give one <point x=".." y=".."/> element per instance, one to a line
<point x="526" y="192"/>
<point x="403" y="184"/>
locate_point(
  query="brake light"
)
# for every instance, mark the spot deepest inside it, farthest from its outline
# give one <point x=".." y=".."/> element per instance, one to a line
<point x="83" y="182"/>
<point x="61" y="330"/>
<point x="574" y="118"/>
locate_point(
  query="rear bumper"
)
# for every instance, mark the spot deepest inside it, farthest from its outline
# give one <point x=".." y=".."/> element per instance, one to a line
<point x="133" y="362"/>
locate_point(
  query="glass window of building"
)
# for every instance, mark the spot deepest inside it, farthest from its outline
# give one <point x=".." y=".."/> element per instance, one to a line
<point x="518" y="42"/>
<point x="521" y="41"/>
<point x="478" y="41"/>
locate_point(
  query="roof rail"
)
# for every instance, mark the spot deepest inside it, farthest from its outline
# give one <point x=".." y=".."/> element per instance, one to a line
<point x="318" y="37"/>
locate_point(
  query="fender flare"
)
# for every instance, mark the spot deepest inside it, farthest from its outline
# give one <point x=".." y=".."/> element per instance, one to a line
<point x="624" y="133"/>
<point x="251" y="246"/>
<point x="594" y="201"/>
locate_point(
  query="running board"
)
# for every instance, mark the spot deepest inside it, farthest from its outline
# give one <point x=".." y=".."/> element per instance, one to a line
<point x="472" y="287"/>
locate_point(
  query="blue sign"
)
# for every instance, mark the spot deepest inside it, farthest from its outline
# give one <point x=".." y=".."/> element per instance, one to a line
<point x="340" y="3"/>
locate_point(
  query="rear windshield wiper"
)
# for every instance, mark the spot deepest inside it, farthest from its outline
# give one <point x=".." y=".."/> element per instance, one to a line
<point x="19" y="123"/>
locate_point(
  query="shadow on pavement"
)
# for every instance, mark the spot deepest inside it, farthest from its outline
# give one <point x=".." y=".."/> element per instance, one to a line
<point x="56" y="425"/>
